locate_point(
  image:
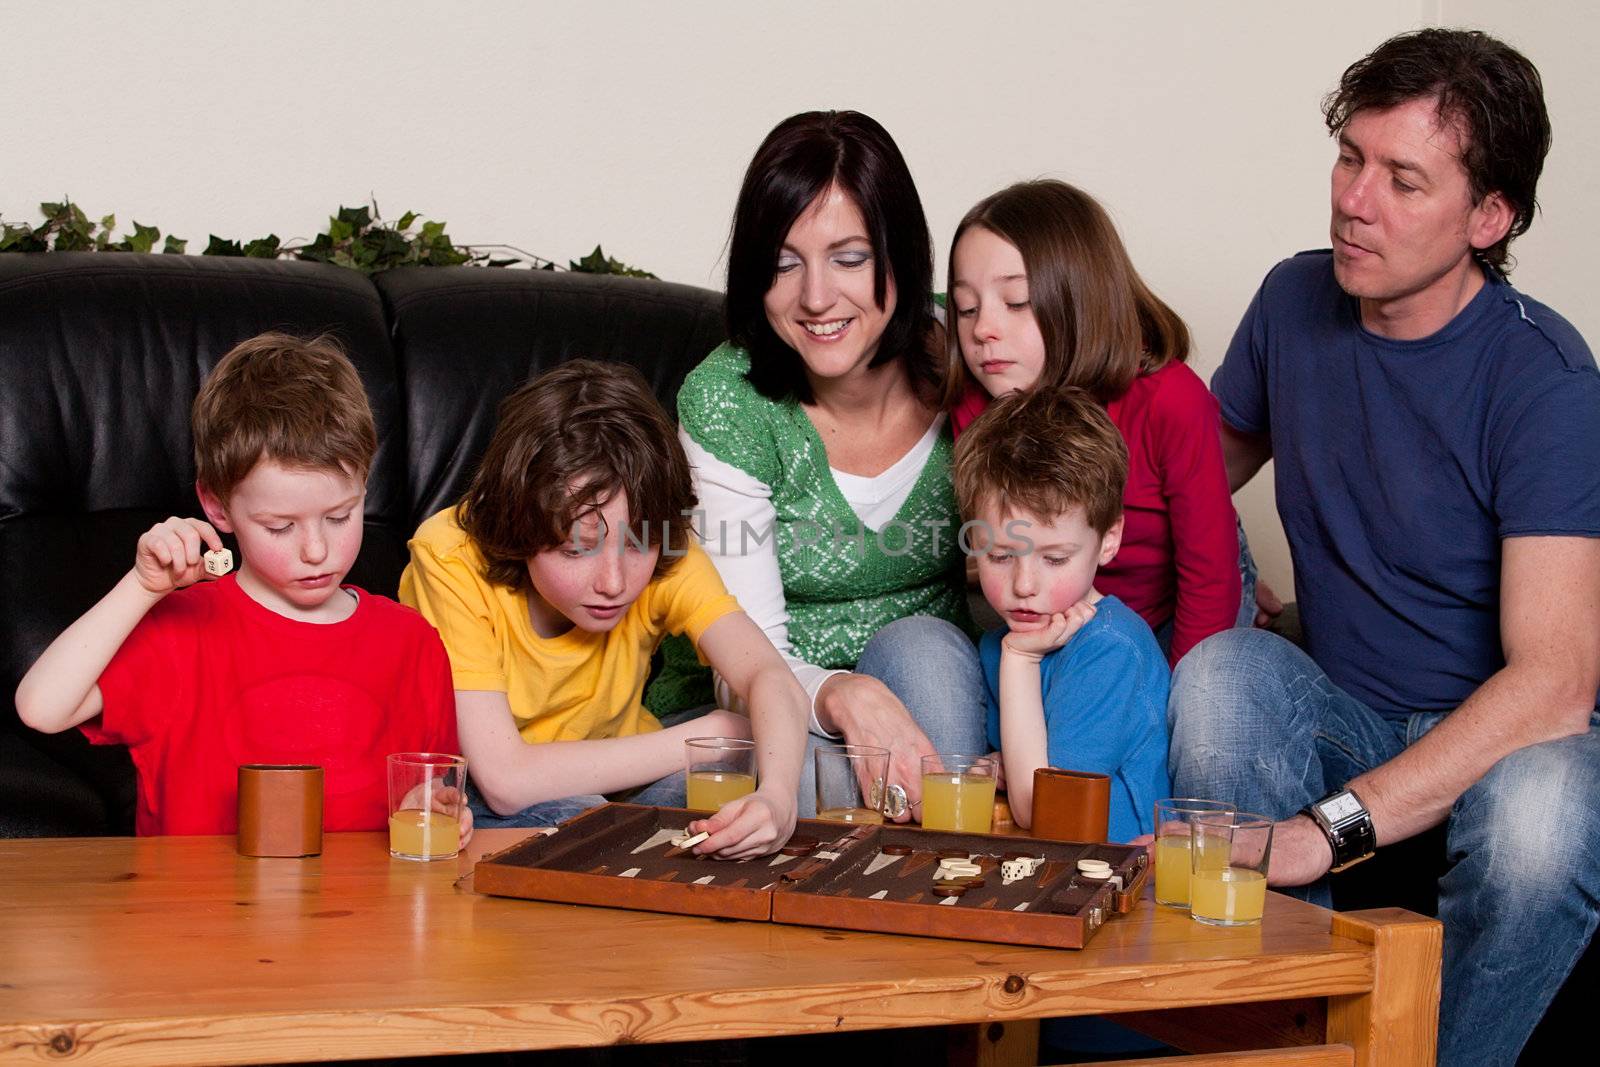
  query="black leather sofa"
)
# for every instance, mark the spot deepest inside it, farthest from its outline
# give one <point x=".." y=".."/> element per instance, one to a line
<point x="101" y="355"/>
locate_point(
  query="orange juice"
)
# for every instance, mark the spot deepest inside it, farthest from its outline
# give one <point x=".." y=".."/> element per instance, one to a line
<point x="860" y="815"/>
<point x="1172" y="870"/>
<point x="709" y="790"/>
<point x="961" y="802"/>
<point x="423" y="835"/>
<point x="1232" y="896"/>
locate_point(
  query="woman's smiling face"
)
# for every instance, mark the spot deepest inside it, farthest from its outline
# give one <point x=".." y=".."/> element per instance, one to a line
<point x="822" y="302"/>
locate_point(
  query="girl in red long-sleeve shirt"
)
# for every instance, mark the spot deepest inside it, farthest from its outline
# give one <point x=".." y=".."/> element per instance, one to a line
<point x="1043" y="292"/>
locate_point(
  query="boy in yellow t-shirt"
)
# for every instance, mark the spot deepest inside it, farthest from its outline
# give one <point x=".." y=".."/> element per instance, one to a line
<point x="552" y="582"/>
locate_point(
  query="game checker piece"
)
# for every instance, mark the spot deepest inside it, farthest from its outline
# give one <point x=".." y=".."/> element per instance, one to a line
<point x="865" y="877"/>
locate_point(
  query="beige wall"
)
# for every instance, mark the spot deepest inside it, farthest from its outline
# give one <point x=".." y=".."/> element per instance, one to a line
<point x="553" y="126"/>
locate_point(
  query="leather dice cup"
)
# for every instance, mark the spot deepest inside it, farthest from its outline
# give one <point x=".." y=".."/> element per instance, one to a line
<point x="1070" y="805"/>
<point x="280" y="810"/>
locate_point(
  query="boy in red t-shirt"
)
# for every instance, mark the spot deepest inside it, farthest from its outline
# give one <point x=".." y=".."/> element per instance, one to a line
<point x="278" y="663"/>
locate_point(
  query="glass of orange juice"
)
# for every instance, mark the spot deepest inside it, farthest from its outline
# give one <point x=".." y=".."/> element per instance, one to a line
<point x="717" y="770"/>
<point x="427" y="792"/>
<point x="1228" y="857"/>
<point x="958" y="792"/>
<point x="1172" y="846"/>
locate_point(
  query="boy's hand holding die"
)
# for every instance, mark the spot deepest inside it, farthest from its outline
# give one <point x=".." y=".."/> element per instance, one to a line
<point x="172" y="554"/>
<point x="1036" y="644"/>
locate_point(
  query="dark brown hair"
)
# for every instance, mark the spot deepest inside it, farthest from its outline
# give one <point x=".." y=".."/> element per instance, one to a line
<point x="1046" y="450"/>
<point x="1102" y="326"/>
<point x="294" y="401"/>
<point x="797" y="162"/>
<point x="1486" y="89"/>
<point x="566" y="442"/>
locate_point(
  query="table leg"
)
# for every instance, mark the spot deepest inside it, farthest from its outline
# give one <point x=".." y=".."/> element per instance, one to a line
<point x="1397" y="1023"/>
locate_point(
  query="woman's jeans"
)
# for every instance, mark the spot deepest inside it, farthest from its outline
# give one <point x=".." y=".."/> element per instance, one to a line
<point x="932" y="666"/>
<point x="1254" y="721"/>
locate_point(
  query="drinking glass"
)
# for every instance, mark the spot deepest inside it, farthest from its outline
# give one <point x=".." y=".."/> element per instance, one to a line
<point x="717" y="770"/>
<point x="1172" y="846"/>
<point x="958" y="792"/>
<point x="1229" y="853"/>
<point x="852" y="782"/>
<point x="427" y="791"/>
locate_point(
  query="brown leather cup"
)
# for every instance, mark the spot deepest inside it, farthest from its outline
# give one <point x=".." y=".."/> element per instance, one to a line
<point x="1070" y="805"/>
<point x="280" y="810"/>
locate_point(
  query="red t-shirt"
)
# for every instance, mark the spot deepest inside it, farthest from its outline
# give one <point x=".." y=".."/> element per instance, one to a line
<point x="1179" y="559"/>
<point x="210" y="679"/>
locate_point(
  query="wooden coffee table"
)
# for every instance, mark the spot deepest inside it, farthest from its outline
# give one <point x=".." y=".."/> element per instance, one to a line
<point x="177" y="950"/>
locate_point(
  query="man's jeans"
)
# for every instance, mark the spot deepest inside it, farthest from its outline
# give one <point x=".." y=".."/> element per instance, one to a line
<point x="1255" y="722"/>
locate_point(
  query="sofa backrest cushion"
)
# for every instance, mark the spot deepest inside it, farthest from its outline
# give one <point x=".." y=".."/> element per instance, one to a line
<point x="465" y="337"/>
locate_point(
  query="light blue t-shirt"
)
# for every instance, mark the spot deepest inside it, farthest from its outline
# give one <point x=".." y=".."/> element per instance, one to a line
<point x="1105" y="710"/>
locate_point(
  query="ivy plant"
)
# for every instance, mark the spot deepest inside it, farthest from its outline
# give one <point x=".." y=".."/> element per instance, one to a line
<point x="357" y="238"/>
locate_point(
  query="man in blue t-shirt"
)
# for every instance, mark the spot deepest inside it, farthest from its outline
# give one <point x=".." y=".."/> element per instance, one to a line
<point x="1436" y="441"/>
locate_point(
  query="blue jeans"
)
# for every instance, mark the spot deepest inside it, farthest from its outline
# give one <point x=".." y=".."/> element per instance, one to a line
<point x="1256" y="722"/>
<point x="932" y="666"/>
<point x="668" y="793"/>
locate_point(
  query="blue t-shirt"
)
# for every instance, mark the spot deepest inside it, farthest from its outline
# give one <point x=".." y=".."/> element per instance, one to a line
<point x="1105" y="710"/>
<point x="1400" y="466"/>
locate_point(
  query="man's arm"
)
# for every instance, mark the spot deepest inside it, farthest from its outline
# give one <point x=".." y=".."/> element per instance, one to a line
<point x="1243" y="454"/>
<point x="1550" y="631"/>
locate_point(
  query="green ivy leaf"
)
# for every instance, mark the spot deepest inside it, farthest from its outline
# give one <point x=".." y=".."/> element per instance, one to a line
<point x="266" y="247"/>
<point x="217" y="246"/>
<point x="175" y="246"/>
<point x="357" y="218"/>
<point x="143" y="238"/>
<point x="406" y="220"/>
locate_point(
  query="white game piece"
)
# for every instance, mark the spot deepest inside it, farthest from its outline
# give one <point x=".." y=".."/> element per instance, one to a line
<point x="631" y="872"/>
<point x="1093" y="865"/>
<point x="218" y="561"/>
<point x="690" y="842"/>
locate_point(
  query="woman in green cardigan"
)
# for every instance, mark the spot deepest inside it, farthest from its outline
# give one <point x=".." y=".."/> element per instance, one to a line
<point x="821" y="454"/>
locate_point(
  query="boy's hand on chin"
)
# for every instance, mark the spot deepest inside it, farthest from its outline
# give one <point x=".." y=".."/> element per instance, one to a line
<point x="754" y="825"/>
<point x="1036" y="644"/>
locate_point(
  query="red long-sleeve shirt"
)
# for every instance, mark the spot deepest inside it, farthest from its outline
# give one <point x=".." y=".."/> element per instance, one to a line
<point x="1179" y="559"/>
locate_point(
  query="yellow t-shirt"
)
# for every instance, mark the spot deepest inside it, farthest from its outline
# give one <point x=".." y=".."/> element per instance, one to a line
<point x="572" y="687"/>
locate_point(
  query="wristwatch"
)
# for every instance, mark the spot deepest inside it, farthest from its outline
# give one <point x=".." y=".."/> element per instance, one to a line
<point x="1347" y="824"/>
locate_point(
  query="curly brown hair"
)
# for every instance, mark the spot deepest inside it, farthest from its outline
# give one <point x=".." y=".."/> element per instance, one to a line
<point x="295" y="401"/>
<point x="566" y="443"/>
<point x="1044" y="450"/>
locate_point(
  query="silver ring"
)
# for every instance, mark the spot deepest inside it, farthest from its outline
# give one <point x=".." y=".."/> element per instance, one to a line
<point x="895" y="804"/>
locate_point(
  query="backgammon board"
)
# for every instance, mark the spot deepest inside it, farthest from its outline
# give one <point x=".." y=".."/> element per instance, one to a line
<point x="1025" y="891"/>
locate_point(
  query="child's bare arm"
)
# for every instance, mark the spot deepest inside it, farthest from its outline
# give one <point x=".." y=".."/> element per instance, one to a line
<point x="741" y="653"/>
<point x="1024" y="741"/>
<point x="61" y="689"/>
<point x="512" y="774"/>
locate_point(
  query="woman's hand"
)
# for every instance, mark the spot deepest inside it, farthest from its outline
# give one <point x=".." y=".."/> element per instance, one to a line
<point x="754" y="825"/>
<point x="868" y="713"/>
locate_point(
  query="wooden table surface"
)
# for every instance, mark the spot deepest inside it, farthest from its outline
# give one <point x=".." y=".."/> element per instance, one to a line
<point x="164" y="950"/>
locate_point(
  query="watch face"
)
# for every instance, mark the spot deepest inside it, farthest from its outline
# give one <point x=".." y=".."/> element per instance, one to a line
<point x="1339" y="808"/>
